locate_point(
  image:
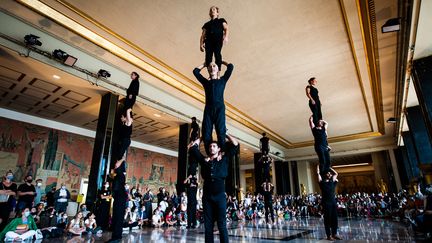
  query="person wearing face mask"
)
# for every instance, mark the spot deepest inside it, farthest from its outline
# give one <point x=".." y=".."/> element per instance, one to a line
<point x="8" y="190"/>
<point x="20" y="228"/>
<point x="104" y="204"/>
<point x="38" y="191"/>
<point x="61" y="197"/>
<point x="84" y="211"/>
<point x="26" y="194"/>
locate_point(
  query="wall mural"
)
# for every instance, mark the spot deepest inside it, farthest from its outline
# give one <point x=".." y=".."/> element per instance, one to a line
<point x="356" y="182"/>
<point x="61" y="157"/>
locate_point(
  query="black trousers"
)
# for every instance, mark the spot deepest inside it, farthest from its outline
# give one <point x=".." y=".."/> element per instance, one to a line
<point x="123" y="146"/>
<point x="330" y="218"/>
<point x="191" y="206"/>
<point x="213" y="46"/>
<point x="119" y="207"/>
<point x="102" y="217"/>
<point x="129" y="103"/>
<point x="266" y="167"/>
<point x="268" y="206"/>
<point x="265" y="150"/>
<point x="324" y="158"/>
<point x="316" y="111"/>
<point x="215" y="210"/>
<point x="214" y="116"/>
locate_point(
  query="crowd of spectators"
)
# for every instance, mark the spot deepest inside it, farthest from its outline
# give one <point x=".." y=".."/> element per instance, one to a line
<point x="25" y="213"/>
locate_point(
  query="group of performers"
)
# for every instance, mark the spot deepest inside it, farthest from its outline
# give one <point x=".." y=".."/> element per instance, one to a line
<point x="214" y="165"/>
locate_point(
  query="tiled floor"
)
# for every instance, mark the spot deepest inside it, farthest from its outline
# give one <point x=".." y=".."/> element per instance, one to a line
<point x="302" y="230"/>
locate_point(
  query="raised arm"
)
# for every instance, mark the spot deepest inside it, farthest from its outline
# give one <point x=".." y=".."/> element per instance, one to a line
<point x="232" y="139"/>
<point x="319" y="174"/>
<point x="202" y="39"/>
<point x="186" y="181"/>
<point x="129" y="119"/>
<point x="194" y="151"/>
<point x="325" y="125"/>
<point x="226" y="32"/>
<point x="311" y="123"/>
<point x="197" y="73"/>
<point x="335" y="174"/>
<point x="228" y="72"/>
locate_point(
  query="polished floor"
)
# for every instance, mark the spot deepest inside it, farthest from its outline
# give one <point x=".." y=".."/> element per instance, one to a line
<point x="301" y="230"/>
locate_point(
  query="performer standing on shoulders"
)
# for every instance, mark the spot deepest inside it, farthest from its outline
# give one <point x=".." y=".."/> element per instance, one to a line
<point x="314" y="101"/>
<point x="214" y="110"/>
<point x="214" y="35"/>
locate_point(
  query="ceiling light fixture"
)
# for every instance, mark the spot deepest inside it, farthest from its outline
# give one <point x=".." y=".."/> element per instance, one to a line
<point x="391" y="25"/>
<point x="157" y="115"/>
<point x="56" y="76"/>
<point x="32" y="40"/>
<point x="67" y="59"/>
<point x="350" y="165"/>
<point x="103" y="73"/>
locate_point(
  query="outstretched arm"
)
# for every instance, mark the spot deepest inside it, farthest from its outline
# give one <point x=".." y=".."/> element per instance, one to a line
<point x="311" y="123"/>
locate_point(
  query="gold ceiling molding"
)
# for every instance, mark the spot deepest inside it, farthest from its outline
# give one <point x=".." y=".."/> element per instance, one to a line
<point x="366" y="13"/>
<point x="232" y="112"/>
<point x="73" y="25"/>
<point x="343" y="138"/>
<point x="353" y="52"/>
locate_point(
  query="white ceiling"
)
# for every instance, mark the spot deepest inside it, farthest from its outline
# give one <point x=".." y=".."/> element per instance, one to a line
<point x="276" y="47"/>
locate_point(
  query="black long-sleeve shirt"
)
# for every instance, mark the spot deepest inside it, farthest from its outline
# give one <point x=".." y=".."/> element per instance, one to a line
<point x="320" y="136"/>
<point x="214" y="88"/>
<point x="133" y="88"/>
<point x="213" y="172"/>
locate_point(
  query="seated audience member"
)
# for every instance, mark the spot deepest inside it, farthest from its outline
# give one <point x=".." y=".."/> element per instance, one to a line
<point x="143" y="217"/>
<point x="130" y="219"/>
<point x="170" y="221"/>
<point x="91" y="225"/>
<point x="62" y="220"/>
<point x="48" y="224"/>
<point x="76" y="225"/>
<point x="157" y="219"/>
<point x="21" y="228"/>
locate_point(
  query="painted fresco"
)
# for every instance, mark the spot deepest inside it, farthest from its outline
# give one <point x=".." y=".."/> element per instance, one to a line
<point x="61" y="157"/>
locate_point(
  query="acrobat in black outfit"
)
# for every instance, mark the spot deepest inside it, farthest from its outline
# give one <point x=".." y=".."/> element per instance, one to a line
<point x="264" y="144"/>
<point x="214" y="35"/>
<point x="314" y="101"/>
<point x="328" y="186"/>
<point x="214" y="110"/>
<point x="321" y="145"/>
<point x="132" y="91"/>
<point x="214" y="170"/>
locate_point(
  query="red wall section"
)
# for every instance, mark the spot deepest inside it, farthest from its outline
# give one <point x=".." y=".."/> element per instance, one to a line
<point x="24" y="146"/>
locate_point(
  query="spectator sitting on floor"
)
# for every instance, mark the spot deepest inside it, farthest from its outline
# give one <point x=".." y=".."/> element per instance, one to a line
<point x="91" y="225"/>
<point x="21" y="228"/>
<point x="76" y="225"/>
